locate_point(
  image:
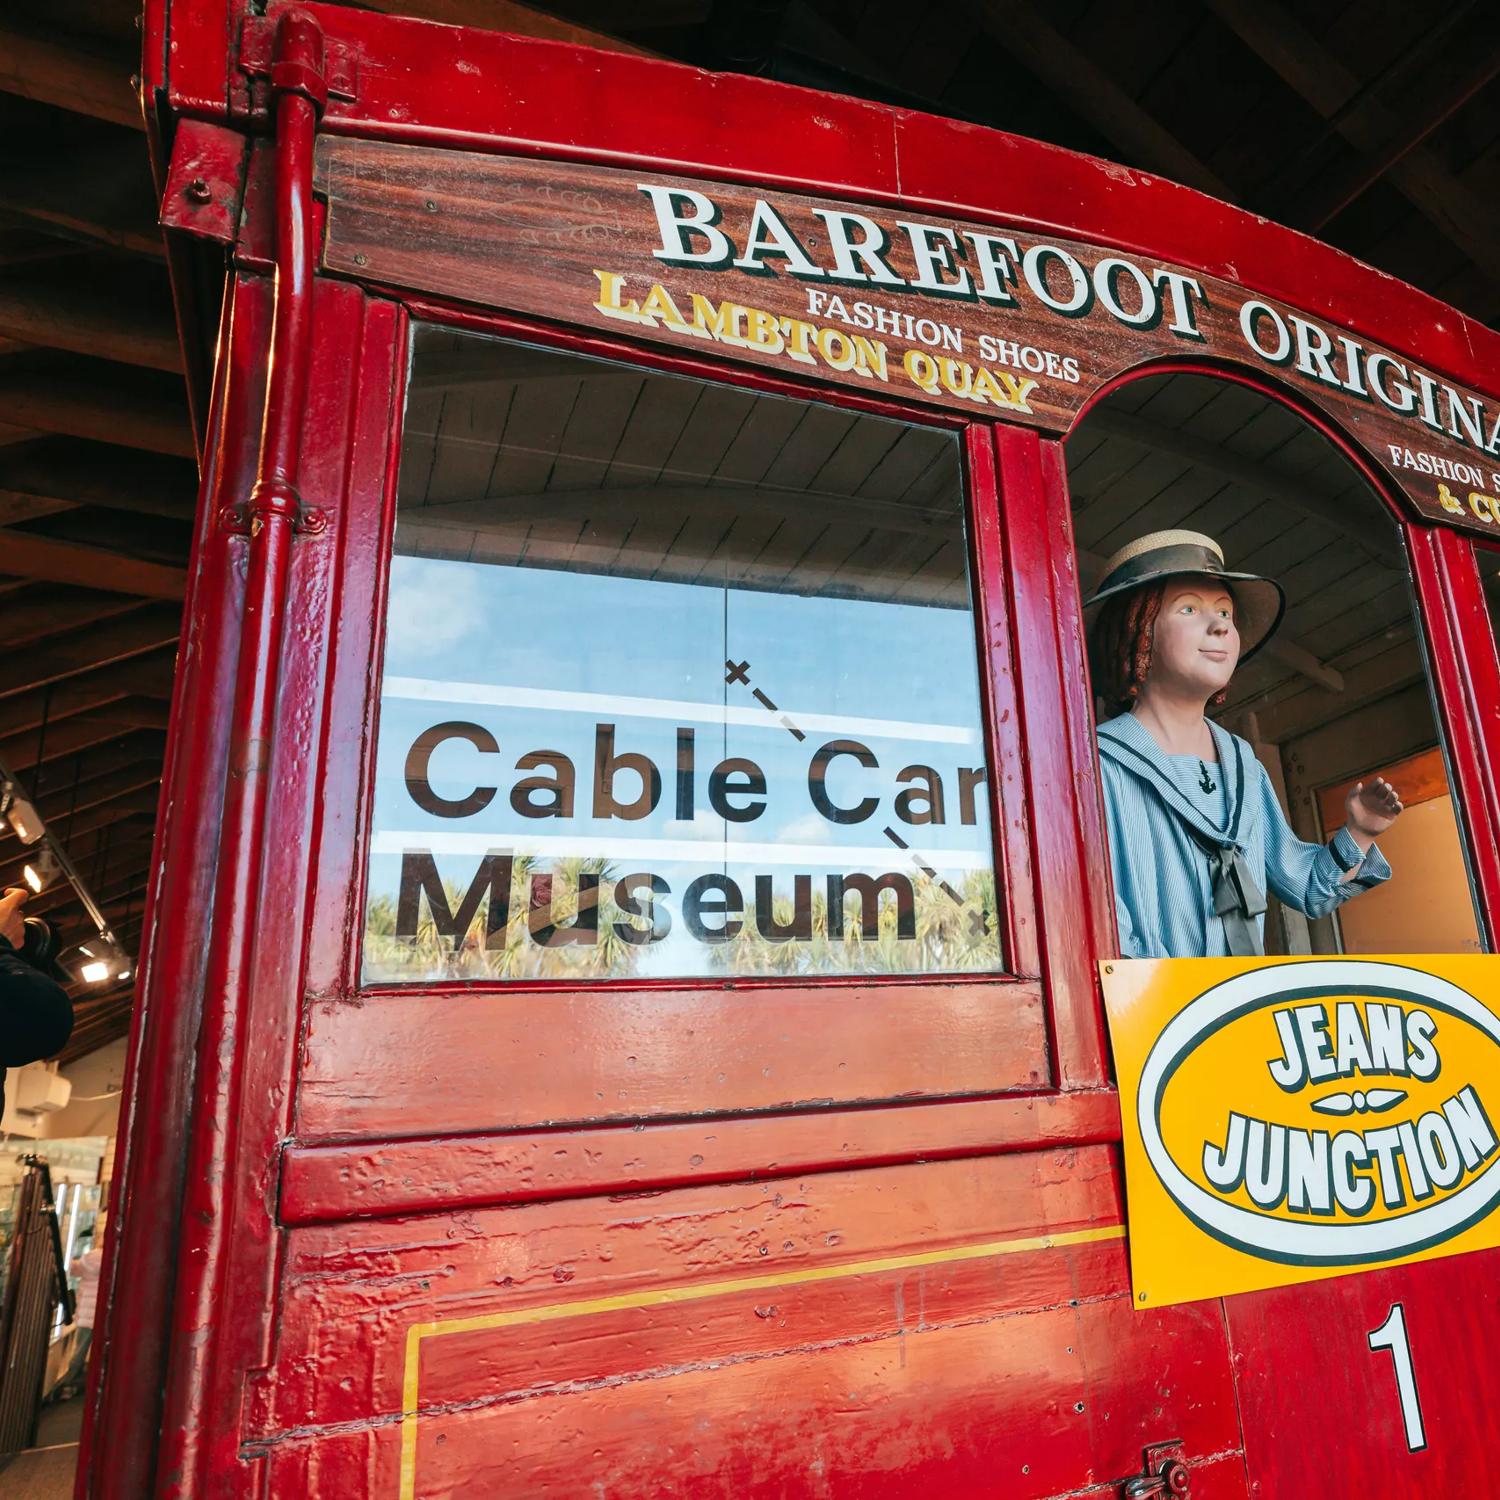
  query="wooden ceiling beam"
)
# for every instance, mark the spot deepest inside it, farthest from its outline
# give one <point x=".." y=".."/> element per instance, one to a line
<point x="106" y="1023"/>
<point x="111" y="692"/>
<point x="87" y="850"/>
<point x="1469" y="219"/>
<point x="25" y="555"/>
<point x="31" y="247"/>
<point x="59" y="903"/>
<point x="95" y="725"/>
<point x="54" y="785"/>
<point x="16" y="509"/>
<point x="1376" y="542"/>
<point x="110" y="478"/>
<point x="121" y="875"/>
<point x="507" y="15"/>
<point x="65" y="804"/>
<point x="150" y="628"/>
<point x="103" y="325"/>
<point x="81" y="732"/>
<point x="139" y="805"/>
<point x="90" y="403"/>
<point x="99" y="194"/>
<point x="1326" y="200"/>
<point x="68" y="77"/>
<point x="32" y="613"/>
<point x="1090" y="92"/>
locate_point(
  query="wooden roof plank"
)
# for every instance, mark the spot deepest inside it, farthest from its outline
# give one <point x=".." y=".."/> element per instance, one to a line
<point x="67" y="76"/>
<point x="148" y="628"/>
<point x="1468" y="218"/>
<point x="29" y="556"/>
<point x="99" y="194"/>
<point x="95" y="404"/>
<point x="103" y="325"/>
<point x="1093" y="94"/>
<point x="103" y="475"/>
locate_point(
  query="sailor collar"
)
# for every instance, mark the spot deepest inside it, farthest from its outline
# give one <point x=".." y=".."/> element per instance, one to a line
<point x="1237" y="897"/>
<point x="1128" y="743"/>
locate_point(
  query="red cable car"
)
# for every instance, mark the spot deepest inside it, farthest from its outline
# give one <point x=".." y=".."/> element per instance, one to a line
<point x="620" y="1011"/>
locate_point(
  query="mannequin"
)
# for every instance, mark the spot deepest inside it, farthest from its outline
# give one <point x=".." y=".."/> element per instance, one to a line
<point x="1195" y="830"/>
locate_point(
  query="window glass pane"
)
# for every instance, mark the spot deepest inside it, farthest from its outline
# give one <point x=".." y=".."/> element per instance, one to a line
<point x="680" y="680"/>
<point x="1488" y="560"/>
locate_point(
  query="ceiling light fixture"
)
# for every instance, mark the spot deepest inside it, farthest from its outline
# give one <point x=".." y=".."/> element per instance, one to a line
<point x="25" y="821"/>
<point x="40" y="871"/>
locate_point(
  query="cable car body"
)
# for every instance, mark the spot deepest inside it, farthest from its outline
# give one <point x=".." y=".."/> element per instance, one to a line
<point x="698" y="1231"/>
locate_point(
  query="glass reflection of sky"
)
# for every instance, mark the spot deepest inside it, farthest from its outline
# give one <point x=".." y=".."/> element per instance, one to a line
<point x="464" y="637"/>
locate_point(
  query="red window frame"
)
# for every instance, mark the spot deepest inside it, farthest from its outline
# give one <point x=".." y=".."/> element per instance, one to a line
<point x="1033" y="1029"/>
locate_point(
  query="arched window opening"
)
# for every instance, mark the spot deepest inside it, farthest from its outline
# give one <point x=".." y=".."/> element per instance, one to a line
<point x="1341" y="693"/>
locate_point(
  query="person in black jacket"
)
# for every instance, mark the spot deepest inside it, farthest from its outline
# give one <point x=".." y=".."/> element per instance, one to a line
<point x="36" y="1016"/>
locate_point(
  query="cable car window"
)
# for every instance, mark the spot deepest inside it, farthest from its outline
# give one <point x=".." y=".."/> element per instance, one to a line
<point x="1488" y="560"/>
<point x="1337" y="700"/>
<point x="679" y="680"/>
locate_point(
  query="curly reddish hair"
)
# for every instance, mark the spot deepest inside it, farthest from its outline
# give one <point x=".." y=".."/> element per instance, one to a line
<point x="1120" y="646"/>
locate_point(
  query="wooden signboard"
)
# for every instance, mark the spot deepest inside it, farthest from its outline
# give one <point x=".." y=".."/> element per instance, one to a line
<point x="998" y="322"/>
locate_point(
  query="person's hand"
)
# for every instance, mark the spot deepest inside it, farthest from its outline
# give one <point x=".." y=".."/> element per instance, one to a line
<point x="1370" y="808"/>
<point x="12" y="918"/>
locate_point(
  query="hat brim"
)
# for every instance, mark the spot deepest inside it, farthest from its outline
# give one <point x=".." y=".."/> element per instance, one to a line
<point x="1259" y="603"/>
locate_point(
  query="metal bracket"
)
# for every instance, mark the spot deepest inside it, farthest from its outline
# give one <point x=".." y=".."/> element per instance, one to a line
<point x="257" y="65"/>
<point x="240" y="519"/>
<point x="1164" y="1474"/>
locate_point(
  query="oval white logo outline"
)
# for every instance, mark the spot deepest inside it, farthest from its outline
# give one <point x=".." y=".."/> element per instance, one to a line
<point x="1263" y="1235"/>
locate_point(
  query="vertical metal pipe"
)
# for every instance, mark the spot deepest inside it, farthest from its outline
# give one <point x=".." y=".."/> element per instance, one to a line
<point x="196" y="1425"/>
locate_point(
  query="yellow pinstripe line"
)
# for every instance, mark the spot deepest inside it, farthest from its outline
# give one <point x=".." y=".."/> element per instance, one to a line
<point x="665" y="1296"/>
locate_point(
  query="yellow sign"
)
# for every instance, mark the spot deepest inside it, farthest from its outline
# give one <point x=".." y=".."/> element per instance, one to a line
<point x="1288" y="1120"/>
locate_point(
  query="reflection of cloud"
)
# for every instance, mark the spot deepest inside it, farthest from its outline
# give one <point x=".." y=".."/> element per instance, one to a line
<point x="708" y="828"/>
<point x="810" y="828"/>
<point x="434" y="603"/>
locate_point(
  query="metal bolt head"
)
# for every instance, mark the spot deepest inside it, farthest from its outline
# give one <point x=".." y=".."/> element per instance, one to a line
<point x="1177" y="1477"/>
<point x="198" y="190"/>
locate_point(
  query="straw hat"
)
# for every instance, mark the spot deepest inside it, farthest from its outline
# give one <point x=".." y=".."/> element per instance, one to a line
<point x="1258" y="602"/>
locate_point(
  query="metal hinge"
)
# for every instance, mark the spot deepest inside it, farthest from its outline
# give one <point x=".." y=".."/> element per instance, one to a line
<point x="250" y="98"/>
<point x="1163" y="1474"/>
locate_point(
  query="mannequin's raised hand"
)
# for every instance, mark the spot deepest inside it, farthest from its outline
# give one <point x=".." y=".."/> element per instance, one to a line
<point x="1370" y="808"/>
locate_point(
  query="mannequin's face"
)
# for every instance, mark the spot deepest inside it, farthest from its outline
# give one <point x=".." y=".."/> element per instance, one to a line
<point x="1196" y="646"/>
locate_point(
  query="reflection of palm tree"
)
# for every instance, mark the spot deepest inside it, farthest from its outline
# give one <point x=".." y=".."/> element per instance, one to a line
<point x="515" y="954"/>
<point x="949" y="937"/>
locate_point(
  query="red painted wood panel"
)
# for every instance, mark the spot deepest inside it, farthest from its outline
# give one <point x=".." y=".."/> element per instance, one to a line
<point x="993" y="592"/>
<point x="352" y="1290"/>
<point x="1320" y="1408"/>
<point x="328" y="1183"/>
<point x="131" y="1334"/>
<point x="415" y="1063"/>
<point x="710" y="1341"/>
